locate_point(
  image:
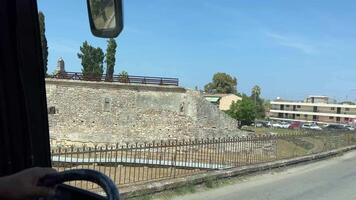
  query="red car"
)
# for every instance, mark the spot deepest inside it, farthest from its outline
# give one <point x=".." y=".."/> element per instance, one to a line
<point x="295" y="125"/>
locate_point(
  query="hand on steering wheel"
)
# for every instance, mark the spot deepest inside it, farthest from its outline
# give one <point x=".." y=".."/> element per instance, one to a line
<point x="82" y="174"/>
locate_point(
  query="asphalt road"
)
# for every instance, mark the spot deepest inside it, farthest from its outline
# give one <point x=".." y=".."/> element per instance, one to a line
<point x="334" y="178"/>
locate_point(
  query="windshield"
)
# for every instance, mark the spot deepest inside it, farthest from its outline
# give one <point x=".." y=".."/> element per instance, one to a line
<point x="195" y="87"/>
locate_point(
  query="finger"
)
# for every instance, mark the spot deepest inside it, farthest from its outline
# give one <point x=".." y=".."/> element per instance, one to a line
<point x="43" y="192"/>
<point x="44" y="171"/>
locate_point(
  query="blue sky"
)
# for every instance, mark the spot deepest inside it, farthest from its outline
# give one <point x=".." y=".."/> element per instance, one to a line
<point x="290" y="48"/>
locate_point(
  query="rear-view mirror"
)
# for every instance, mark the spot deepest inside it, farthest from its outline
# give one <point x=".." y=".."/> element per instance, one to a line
<point x="105" y="17"/>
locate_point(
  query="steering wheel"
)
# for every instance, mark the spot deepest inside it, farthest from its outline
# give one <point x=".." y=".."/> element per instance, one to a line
<point x="82" y="174"/>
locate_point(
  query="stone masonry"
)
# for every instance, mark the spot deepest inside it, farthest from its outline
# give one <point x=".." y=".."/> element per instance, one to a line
<point x="100" y="112"/>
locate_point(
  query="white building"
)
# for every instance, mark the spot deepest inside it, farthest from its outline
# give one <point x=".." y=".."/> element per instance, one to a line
<point x="313" y="109"/>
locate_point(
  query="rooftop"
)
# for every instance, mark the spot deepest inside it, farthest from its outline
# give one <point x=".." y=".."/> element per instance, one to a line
<point x="317" y="96"/>
<point x="217" y="95"/>
<point x="330" y="101"/>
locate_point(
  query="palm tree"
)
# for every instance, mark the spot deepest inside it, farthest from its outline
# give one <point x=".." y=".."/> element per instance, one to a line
<point x="256" y="91"/>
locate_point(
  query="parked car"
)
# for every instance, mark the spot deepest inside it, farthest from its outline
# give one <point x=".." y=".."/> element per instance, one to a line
<point x="312" y="127"/>
<point x="276" y="125"/>
<point x="295" y="125"/>
<point x="325" y="125"/>
<point x="269" y="124"/>
<point x="280" y="125"/>
<point x="350" y="127"/>
<point x="315" y="127"/>
<point x="263" y="124"/>
<point x="285" y="125"/>
<point x="336" y="127"/>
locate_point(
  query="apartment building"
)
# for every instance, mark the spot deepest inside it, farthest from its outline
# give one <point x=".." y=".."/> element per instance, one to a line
<point x="320" y="109"/>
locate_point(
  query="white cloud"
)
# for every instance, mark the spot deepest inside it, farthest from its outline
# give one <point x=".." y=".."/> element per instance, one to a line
<point x="293" y="42"/>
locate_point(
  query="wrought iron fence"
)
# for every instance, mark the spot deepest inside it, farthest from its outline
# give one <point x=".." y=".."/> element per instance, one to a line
<point x="143" y="162"/>
<point x="117" y="78"/>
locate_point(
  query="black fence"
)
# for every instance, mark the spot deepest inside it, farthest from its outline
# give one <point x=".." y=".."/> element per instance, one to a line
<point x="138" y="163"/>
<point x="118" y="78"/>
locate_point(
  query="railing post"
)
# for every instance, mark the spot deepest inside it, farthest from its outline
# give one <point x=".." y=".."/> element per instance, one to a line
<point x="174" y="160"/>
<point x="115" y="169"/>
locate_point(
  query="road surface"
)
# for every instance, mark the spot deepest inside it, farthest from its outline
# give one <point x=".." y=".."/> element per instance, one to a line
<point x="330" y="179"/>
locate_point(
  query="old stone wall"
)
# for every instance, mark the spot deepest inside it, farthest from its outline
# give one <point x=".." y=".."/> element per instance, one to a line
<point x="113" y="112"/>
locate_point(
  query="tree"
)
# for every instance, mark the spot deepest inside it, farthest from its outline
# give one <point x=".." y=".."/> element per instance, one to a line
<point x="92" y="61"/>
<point x="44" y="45"/>
<point x="256" y="91"/>
<point x="243" y="111"/>
<point x="110" y="58"/>
<point x="259" y="102"/>
<point x="260" y="109"/>
<point x="222" y="83"/>
<point x="124" y="77"/>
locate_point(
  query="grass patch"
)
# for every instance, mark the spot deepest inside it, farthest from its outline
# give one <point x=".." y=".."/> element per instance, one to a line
<point x="185" y="190"/>
<point x="263" y="130"/>
<point x="301" y="143"/>
<point x="210" y="182"/>
<point x="286" y="149"/>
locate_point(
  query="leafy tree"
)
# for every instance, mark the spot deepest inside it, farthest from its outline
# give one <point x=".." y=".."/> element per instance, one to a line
<point x="259" y="102"/>
<point x="243" y="111"/>
<point x="110" y="58"/>
<point x="92" y="60"/>
<point x="260" y="110"/>
<point x="44" y="45"/>
<point x="222" y="83"/>
<point x="124" y="77"/>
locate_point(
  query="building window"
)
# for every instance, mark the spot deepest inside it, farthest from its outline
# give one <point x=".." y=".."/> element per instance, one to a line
<point x="287" y="106"/>
<point x="298" y="106"/>
<point x="282" y="107"/>
<point x="331" y="117"/>
<point x="346" y="119"/>
<point x="315" y="109"/>
<point x="332" y="108"/>
<point x="305" y="116"/>
<point x="347" y="109"/>
<point x="298" y="115"/>
<point x="107" y="106"/>
<point x="52" y="110"/>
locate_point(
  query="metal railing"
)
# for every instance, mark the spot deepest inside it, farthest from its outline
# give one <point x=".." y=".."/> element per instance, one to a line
<point x="144" y="162"/>
<point x="117" y="78"/>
